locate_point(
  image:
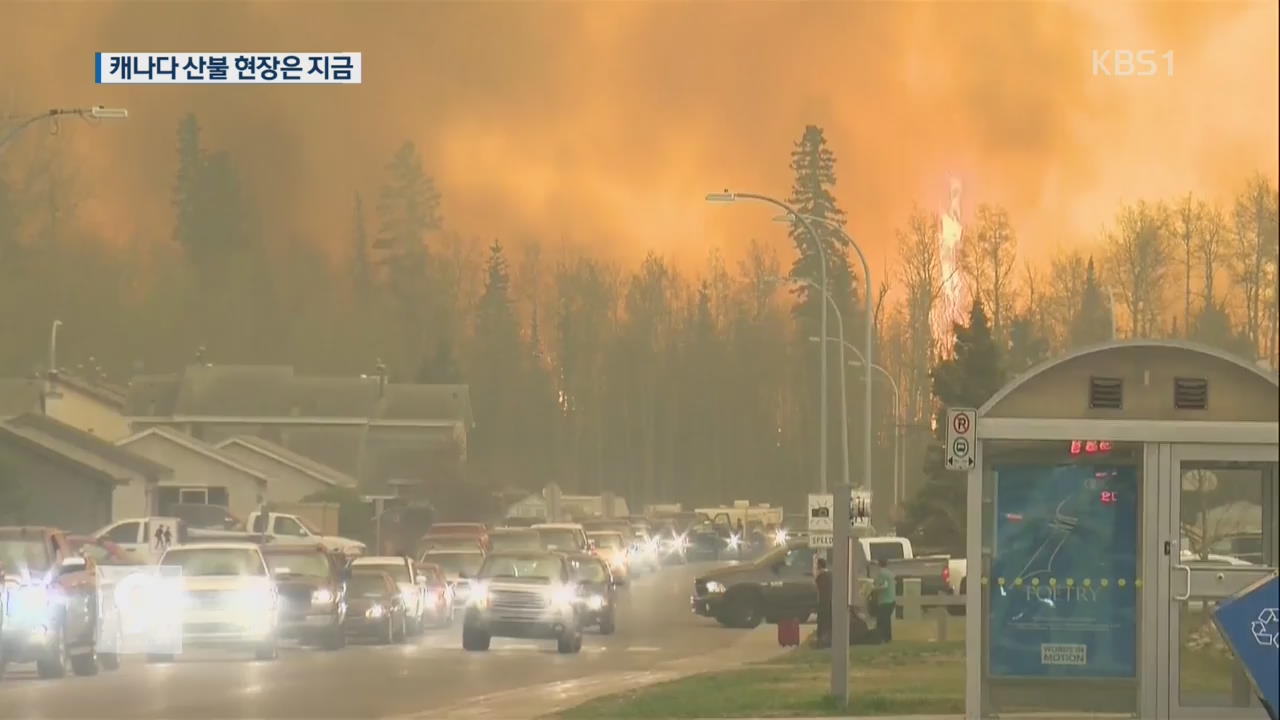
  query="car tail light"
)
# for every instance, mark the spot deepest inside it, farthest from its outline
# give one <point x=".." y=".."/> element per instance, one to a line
<point x="946" y="574"/>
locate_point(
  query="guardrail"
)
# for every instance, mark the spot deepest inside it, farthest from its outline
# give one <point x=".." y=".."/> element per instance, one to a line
<point x="914" y="606"/>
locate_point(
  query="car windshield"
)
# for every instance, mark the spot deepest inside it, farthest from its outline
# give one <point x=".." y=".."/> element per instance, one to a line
<point x="607" y="541"/>
<point x="308" y="564"/>
<point x="522" y="567"/>
<point x="457" y="563"/>
<point x="558" y="538"/>
<point x="589" y="571"/>
<point x="366" y="585"/>
<point x="398" y="571"/>
<point x="25" y="554"/>
<point x="203" y="562"/>
<point x="516" y="541"/>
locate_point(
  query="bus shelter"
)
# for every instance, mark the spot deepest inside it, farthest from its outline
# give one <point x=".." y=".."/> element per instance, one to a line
<point x="1118" y="495"/>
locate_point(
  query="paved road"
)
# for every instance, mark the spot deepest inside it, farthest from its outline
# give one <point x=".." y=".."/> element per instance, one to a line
<point x="654" y="626"/>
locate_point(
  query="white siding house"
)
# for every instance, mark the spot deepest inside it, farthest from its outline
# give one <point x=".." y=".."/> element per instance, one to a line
<point x="292" y="476"/>
<point x="202" y="473"/>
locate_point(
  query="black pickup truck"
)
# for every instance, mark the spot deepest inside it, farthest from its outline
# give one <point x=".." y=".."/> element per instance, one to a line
<point x="777" y="585"/>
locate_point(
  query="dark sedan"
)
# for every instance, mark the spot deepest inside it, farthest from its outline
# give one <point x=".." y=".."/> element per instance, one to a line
<point x="375" y="608"/>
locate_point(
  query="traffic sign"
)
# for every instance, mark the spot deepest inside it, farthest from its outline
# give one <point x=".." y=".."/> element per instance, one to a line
<point x="820" y="512"/>
<point x="860" y="508"/>
<point x="961" y="438"/>
<point x="821" y="540"/>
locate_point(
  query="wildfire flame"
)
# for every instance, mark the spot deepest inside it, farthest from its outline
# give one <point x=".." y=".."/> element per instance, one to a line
<point x="950" y="305"/>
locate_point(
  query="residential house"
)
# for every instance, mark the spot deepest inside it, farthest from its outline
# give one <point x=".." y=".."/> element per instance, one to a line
<point x="293" y="476"/>
<point x="94" y="406"/>
<point x="388" y="436"/>
<point x="202" y="473"/>
<point x="54" y="474"/>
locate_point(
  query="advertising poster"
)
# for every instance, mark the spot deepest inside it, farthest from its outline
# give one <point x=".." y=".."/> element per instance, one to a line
<point x="1063" y="586"/>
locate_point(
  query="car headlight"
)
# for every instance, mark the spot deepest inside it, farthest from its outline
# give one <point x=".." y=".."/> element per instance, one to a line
<point x="595" y="602"/>
<point x="322" y="596"/>
<point x="29" y="602"/>
<point x="780" y="537"/>
<point x="734" y="542"/>
<point x="715" y="588"/>
<point x="375" y="611"/>
<point x="564" y="595"/>
<point x="478" y="595"/>
<point x="256" y="599"/>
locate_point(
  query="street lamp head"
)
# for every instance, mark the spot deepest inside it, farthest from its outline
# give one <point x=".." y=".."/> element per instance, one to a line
<point x="99" y="112"/>
<point x="722" y="197"/>
<point x="814" y="339"/>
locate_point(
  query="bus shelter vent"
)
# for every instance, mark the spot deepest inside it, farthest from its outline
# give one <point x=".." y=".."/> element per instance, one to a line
<point x="1106" y="393"/>
<point x="1190" y="393"/>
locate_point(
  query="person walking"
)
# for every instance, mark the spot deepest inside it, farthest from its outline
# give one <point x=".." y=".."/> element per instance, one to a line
<point x="822" y="579"/>
<point x="886" y="596"/>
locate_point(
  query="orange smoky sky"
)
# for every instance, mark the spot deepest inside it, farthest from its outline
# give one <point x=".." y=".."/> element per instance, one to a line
<point x="603" y="124"/>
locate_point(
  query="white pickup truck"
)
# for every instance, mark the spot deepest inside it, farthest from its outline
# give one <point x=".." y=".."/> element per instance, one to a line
<point x="138" y="538"/>
<point x="283" y="527"/>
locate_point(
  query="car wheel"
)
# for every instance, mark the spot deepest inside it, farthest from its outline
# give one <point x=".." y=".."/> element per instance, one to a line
<point x="607" y="626"/>
<point x="85" y="664"/>
<point x="565" y="644"/>
<point x="474" y="640"/>
<point x="55" y="661"/>
<point x="267" y="650"/>
<point x="743" y="611"/>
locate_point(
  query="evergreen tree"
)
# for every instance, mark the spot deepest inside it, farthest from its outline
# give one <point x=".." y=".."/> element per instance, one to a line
<point x="361" y="271"/>
<point x="1212" y="326"/>
<point x="408" y="208"/>
<point x="186" y="229"/>
<point x="968" y="378"/>
<point x="495" y="370"/>
<point x="442" y="367"/>
<point x="1091" y="322"/>
<point x="1027" y="344"/>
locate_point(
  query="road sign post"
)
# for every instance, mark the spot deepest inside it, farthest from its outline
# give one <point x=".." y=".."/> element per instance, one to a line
<point x="820" y="520"/>
<point x="841" y="522"/>
<point x="962" y="438"/>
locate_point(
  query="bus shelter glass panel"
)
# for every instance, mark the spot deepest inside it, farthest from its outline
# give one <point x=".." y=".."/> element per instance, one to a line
<point x="1226" y="514"/>
<point x="1061" y="576"/>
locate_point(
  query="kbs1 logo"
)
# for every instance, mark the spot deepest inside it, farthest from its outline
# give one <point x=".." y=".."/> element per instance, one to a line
<point x="1132" y="63"/>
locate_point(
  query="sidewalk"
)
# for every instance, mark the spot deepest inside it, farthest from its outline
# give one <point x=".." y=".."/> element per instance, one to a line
<point x="535" y="701"/>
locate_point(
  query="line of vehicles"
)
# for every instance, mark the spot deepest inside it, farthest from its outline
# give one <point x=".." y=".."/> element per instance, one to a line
<point x="162" y="586"/>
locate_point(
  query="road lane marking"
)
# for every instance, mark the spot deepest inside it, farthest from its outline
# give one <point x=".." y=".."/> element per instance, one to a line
<point x="643" y="648"/>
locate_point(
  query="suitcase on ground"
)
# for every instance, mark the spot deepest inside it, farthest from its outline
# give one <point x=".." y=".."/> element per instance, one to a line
<point x="789" y="632"/>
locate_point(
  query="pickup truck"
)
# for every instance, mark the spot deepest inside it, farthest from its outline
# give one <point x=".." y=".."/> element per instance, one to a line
<point x="933" y="571"/>
<point x="283" y="527"/>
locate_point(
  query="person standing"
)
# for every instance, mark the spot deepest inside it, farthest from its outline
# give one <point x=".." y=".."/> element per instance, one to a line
<point x="822" y="579"/>
<point x="886" y="596"/>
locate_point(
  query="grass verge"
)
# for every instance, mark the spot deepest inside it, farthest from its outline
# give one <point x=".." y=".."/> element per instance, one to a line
<point x="907" y="678"/>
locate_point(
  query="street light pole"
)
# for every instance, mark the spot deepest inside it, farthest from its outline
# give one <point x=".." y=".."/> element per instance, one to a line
<point x="869" y="321"/>
<point x="94" y="113"/>
<point x="897" y="409"/>
<point x="844" y="396"/>
<point x="729" y="197"/>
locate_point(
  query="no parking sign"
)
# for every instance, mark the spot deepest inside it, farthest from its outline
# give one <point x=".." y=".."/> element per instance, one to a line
<point x="961" y="438"/>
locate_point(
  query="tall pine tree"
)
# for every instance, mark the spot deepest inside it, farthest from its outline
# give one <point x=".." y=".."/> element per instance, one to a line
<point x="1092" y="321"/>
<point x="935" y="516"/>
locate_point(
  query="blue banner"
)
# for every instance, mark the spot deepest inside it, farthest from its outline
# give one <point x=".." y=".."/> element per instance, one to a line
<point x="1251" y="627"/>
<point x="1063" y="585"/>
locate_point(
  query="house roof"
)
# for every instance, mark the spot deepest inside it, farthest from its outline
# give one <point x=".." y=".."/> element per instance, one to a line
<point x="69" y="444"/>
<point x="196" y="446"/>
<point x="284" y="455"/>
<point x="102" y="391"/>
<point x="276" y="392"/>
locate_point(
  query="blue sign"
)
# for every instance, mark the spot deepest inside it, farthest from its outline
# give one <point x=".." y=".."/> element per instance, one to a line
<point x="1250" y="624"/>
<point x="1063" y="586"/>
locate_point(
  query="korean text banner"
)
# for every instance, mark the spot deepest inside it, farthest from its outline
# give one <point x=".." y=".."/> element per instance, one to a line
<point x="227" y="68"/>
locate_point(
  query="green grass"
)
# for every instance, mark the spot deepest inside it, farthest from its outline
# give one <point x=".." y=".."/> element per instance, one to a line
<point x="908" y="678"/>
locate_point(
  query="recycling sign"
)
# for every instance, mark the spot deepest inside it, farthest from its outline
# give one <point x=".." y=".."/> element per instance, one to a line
<point x="1249" y="623"/>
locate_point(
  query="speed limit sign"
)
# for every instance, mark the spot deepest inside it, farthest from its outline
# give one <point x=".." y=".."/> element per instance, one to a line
<point x="961" y="438"/>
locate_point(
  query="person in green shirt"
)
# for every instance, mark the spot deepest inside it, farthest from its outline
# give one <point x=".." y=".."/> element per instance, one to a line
<point x="886" y="601"/>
